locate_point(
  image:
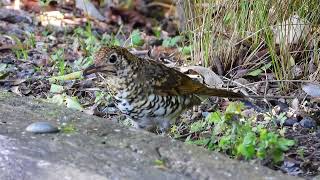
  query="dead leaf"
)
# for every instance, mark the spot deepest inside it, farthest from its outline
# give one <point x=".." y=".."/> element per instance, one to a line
<point x="16" y="90"/>
<point x="291" y="30"/>
<point x="295" y="104"/>
<point x="89" y="9"/>
<point x="51" y="18"/>
<point x="209" y="77"/>
<point x="312" y="89"/>
<point x="132" y="17"/>
<point x="31" y="5"/>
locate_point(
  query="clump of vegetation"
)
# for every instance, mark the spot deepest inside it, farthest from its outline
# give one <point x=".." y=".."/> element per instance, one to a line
<point x="247" y="35"/>
<point x="21" y="49"/>
<point x="231" y="133"/>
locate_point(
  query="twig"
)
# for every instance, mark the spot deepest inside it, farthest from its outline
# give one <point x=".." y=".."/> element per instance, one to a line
<point x="165" y="5"/>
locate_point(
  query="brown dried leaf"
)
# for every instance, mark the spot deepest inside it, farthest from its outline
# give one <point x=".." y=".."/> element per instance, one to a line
<point x="209" y="77"/>
<point x="132" y="17"/>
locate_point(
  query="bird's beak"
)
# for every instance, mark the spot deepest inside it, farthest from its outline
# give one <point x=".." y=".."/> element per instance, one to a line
<point x="94" y="69"/>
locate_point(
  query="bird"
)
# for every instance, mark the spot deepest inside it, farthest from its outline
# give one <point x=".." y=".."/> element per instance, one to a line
<point x="148" y="92"/>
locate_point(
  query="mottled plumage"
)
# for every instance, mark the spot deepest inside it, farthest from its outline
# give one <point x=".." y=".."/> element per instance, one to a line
<point x="147" y="91"/>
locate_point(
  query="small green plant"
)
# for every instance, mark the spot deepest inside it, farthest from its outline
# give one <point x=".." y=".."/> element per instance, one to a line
<point x="31" y="41"/>
<point x="20" y="50"/>
<point x="110" y="40"/>
<point x="229" y="132"/>
<point x="88" y="42"/>
<point x="58" y="57"/>
<point x="172" y="41"/>
<point x="136" y="38"/>
<point x="160" y="164"/>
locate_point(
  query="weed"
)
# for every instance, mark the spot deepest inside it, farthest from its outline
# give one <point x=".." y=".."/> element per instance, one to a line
<point x="88" y="42"/>
<point x="58" y="57"/>
<point x="238" y="137"/>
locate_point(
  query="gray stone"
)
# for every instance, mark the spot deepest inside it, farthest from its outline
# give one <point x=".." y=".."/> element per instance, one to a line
<point x="99" y="149"/>
<point x="42" y="127"/>
<point x="308" y="122"/>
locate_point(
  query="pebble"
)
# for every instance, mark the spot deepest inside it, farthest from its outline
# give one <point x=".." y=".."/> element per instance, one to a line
<point x="42" y="127"/>
<point x="291" y="168"/>
<point x="308" y="122"/>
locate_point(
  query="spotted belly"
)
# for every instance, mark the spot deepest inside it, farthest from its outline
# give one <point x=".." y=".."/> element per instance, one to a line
<point x="140" y="107"/>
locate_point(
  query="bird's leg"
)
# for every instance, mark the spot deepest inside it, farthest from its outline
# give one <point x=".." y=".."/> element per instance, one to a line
<point x="153" y="124"/>
<point x="147" y="124"/>
<point x="163" y="124"/>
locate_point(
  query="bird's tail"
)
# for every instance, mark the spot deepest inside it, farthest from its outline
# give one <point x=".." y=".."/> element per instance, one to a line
<point x="219" y="93"/>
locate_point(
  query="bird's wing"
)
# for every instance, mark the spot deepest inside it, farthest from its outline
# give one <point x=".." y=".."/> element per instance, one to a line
<point x="169" y="82"/>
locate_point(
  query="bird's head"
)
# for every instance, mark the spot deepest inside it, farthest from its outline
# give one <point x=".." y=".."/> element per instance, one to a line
<point x="110" y="61"/>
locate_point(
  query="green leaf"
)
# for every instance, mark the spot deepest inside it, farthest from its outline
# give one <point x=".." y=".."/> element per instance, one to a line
<point x="284" y="144"/>
<point x="261" y="153"/>
<point x="225" y="142"/>
<point x="55" y="88"/>
<point x="234" y="108"/>
<point x="265" y="67"/>
<point x="57" y="99"/>
<point x="185" y="50"/>
<point x="159" y="162"/>
<point x="66" y="77"/>
<point x="247" y="151"/>
<point x="250" y="138"/>
<point x="172" y="42"/>
<point x="214" y="117"/>
<point x="197" y="126"/>
<point x="73" y="103"/>
<point x="108" y="39"/>
<point x="136" y="38"/>
<point x="257" y="72"/>
<point x="277" y="155"/>
<point x="99" y="96"/>
<point x="247" y="148"/>
<point x="263" y="134"/>
<point x="157" y="31"/>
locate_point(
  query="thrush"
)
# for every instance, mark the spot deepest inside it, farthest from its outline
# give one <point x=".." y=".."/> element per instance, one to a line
<point x="150" y="93"/>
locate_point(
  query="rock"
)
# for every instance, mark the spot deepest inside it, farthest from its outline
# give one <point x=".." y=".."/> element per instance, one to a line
<point x="291" y="168"/>
<point x="14" y="16"/>
<point x="290" y="121"/>
<point x="100" y="149"/>
<point x="42" y="127"/>
<point x="308" y="122"/>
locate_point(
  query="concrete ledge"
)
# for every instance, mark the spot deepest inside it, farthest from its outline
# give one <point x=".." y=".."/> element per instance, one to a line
<point x="100" y="149"/>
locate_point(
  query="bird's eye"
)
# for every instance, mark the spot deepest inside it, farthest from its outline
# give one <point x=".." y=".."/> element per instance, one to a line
<point x="113" y="58"/>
